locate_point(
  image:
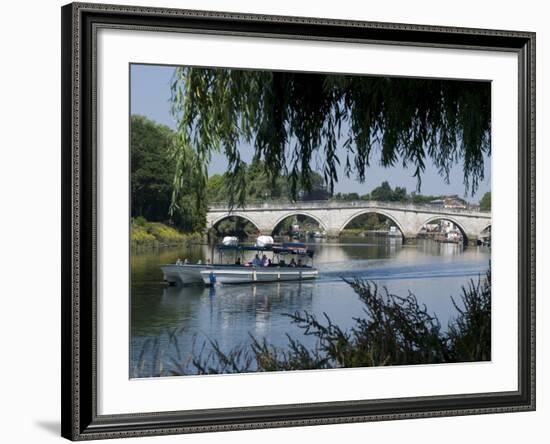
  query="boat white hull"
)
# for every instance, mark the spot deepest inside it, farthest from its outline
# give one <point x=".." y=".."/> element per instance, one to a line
<point x="245" y="275"/>
<point x="183" y="274"/>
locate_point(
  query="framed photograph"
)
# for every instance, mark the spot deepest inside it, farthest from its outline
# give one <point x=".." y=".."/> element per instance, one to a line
<point x="280" y="221"/>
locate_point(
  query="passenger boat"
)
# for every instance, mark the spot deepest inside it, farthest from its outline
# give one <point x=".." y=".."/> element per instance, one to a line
<point x="243" y="275"/>
<point x="183" y="273"/>
<point x="230" y="269"/>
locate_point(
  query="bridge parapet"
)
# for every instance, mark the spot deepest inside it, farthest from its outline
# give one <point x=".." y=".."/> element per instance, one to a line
<point x="217" y="207"/>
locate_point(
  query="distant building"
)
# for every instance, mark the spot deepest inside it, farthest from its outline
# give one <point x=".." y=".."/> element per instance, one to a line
<point x="453" y="202"/>
<point x="437" y="203"/>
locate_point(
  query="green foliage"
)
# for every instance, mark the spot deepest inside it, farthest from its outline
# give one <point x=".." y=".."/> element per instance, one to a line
<point x="400" y="194"/>
<point x="305" y="223"/>
<point x="140" y="221"/>
<point x="485" y="202"/>
<point x="395" y="330"/>
<point x="392" y="330"/>
<point x="260" y="187"/>
<point x="469" y="335"/>
<point x="385" y="193"/>
<point x="382" y="193"/>
<point x="235" y="226"/>
<point x="152" y="172"/>
<point x="285" y="226"/>
<point x="164" y="233"/>
<point x="420" y="199"/>
<point x="216" y="189"/>
<point x="292" y="118"/>
<point x="153" y="234"/>
<point x="369" y="221"/>
<point x="164" y="188"/>
<point x="140" y="236"/>
<point x="350" y="196"/>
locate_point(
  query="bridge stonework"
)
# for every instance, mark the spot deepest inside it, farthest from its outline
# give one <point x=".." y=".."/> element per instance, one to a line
<point x="333" y="217"/>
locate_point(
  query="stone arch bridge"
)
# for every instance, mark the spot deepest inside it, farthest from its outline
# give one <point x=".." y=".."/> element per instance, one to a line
<point x="334" y="216"/>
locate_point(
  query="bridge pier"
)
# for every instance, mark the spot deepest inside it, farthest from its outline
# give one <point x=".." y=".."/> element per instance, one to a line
<point x="409" y="238"/>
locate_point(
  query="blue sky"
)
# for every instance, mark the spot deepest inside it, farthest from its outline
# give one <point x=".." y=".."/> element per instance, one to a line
<point x="150" y="97"/>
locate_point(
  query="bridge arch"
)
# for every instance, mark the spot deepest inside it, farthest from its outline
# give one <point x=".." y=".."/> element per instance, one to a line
<point x="460" y="226"/>
<point x="228" y="215"/>
<point x="317" y="219"/>
<point x="376" y="211"/>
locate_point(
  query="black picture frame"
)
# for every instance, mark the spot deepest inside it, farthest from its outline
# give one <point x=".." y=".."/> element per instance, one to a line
<point x="79" y="386"/>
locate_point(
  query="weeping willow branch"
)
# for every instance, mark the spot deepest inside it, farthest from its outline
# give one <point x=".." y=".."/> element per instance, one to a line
<point x="292" y="118"/>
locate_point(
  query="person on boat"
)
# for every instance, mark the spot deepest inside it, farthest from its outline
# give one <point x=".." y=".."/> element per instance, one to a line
<point x="282" y="263"/>
<point x="300" y="263"/>
<point x="178" y="261"/>
<point x="264" y="261"/>
<point x="238" y="261"/>
<point x="257" y="262"/>
<point x="199" y="262"/>
<point x="292" y="263"/>
<point x="185" y="261"/>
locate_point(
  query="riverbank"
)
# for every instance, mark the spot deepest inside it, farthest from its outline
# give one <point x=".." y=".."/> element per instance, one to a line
<point x="150" y="235"/>
<point x="362" y="232"/>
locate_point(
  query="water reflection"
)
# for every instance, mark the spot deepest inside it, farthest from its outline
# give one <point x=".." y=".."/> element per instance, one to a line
<point x="180" y="306"/>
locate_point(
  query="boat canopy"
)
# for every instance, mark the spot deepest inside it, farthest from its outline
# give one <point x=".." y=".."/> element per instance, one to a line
<point x="285" y="248"/>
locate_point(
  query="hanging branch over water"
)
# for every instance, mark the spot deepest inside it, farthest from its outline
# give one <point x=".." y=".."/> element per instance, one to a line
<point x="294" y="118"/>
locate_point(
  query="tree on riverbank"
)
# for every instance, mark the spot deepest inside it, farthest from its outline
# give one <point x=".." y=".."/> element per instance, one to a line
<point x="485" y="202"/>
<point x="293" y="118"/>
<point x="259" y="187"/>
<point x="392" y="330"/>
<point x="234" y="226"/>
<point x="385" y="193"/>
<point x="367" y="221"/>
<point x="152" y="173"/>
<point x="147" y="235"/>
<point x="152" y="176"/>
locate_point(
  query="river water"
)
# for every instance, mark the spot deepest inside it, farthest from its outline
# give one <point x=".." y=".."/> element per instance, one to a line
<point x="230" y="314"/>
